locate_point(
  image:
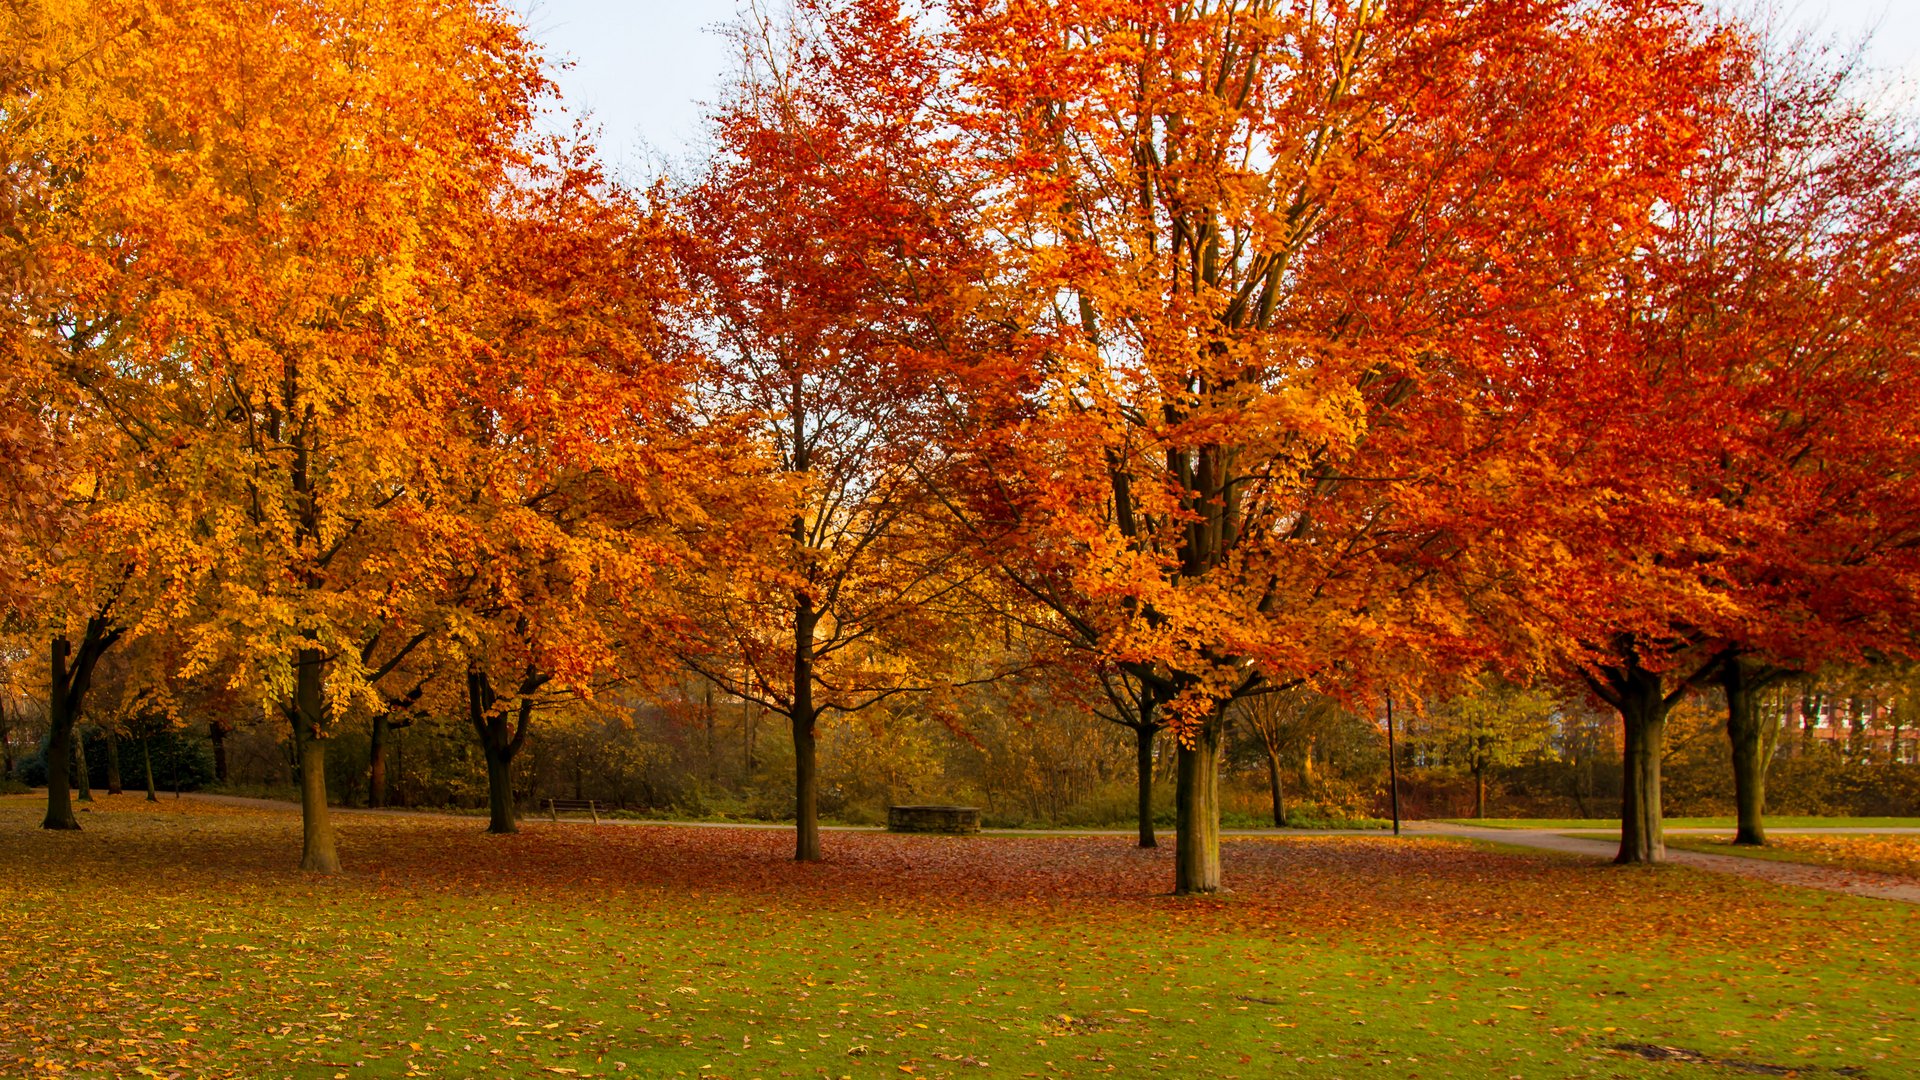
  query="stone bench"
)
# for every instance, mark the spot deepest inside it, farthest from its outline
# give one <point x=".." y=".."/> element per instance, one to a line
<point x="934" y="819"/>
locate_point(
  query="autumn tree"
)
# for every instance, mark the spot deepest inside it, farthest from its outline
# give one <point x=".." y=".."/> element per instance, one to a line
<point x="1761" y="338"/>
<point x="1272" y="261"/>
<point x="825" y="238"/>
<point x="300" y="182"/>
<point x="576" y="476"/>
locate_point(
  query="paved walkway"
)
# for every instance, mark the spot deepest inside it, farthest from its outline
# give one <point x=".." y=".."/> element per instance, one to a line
<point x="1854" y="882"/>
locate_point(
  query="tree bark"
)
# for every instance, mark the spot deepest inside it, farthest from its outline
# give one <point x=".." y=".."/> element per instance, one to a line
<point x="318" y="853"/>
<point x="806" y="789"/>
<point x="1643" y="710"/>
<point x="82" y="775"/>
<point x="377" y="761"/>
<point x="72" y="674"/>
<point x="113" y="763"/>
<point x="1742" y="679"/>
<point x="1479" y="789"/>
<point x="60" y="742"/>
<point x="217" y="733"/>
<point x="499" y="742"/>
<point x="1196" y="853"/>
<point x="146" y="756"/>
<point x="500" y="809"/>
<point x="1143" y="762"/>
<point x="1273" y="785"/>
<point x="806" y="765"/>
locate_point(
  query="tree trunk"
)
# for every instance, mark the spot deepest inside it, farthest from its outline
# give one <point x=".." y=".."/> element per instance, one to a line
<point x="309" y="712"/>
<point x="1479" y="789"/>
<point x="806" y="765"/>
<point x="82" y="767"/>
<point x="806" y="789"/>
<point x="1143" y="782"/>
<point x="1741" y="680"/>
<point x="747" y="726"/>
<point x="377" y="761"/>
<point x="713" y="757"/>
<point x="500" y="743"/>
<point x="113" y="763"/>
<point x="217" y="733"/>
<point x="1273" y="784"/>
<point x="1643" y="710"/>
<point x="500" y="808"/>
<point x="146" y="756"/>
<point x="1196" y="851"/>
<point x="60" y="742"/>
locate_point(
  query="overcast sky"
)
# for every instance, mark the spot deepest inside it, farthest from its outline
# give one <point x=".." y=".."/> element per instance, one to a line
<point x="644" y="68"/>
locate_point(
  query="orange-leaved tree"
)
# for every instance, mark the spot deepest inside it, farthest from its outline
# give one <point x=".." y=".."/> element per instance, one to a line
<point x="830" y="243"/>
<point x="302" y="183"/>
<point x="576" y="478"/>
<point x="1275" y="265"/>
<point x="1737" y="479"/>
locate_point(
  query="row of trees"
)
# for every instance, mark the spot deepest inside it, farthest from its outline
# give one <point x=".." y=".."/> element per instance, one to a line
<point x="1162" y="359"/>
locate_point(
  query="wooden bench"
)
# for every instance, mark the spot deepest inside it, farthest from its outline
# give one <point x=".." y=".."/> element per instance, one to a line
<point x="934" y="819"/>
<point x="554" y="806"/>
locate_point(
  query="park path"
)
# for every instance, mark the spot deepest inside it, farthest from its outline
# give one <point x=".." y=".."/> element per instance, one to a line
<point x="1856" y="883"/>
<point x="1853" y="882"/>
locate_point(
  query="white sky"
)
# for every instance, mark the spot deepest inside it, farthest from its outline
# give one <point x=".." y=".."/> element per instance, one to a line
<point x="644" y="68"/>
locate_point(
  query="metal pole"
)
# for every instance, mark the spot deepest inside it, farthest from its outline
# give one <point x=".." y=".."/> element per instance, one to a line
<point x="1393" y="766"/>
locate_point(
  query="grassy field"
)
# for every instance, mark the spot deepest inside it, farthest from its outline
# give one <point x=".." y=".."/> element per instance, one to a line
<point x="1897" y="854"/>
<point x="1784" y="821"/>
<point x="174" y="939"/>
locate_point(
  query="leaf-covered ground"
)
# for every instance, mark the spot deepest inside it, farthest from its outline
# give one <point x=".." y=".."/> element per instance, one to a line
<point x="1894" y="854"/>
<point x="174" y="939"/>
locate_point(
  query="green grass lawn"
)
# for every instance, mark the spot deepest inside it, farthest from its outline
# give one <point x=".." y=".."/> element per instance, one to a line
<point x="175" y="939"/>
<point x="1613" y="824"/>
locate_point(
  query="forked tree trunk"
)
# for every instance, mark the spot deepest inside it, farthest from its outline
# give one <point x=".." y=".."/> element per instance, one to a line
<point x="113" y="764"/>
<point x="318" y="853"/>
<point x="499" y="742"/>
<point x="1741" y="679"/>
<point x="1143" y="782"/>
<point x="1196" y="853"/>
<point x="1643" y="710"/>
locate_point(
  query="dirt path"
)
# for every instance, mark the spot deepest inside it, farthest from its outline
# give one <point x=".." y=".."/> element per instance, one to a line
<point x="1854" y="882"/>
